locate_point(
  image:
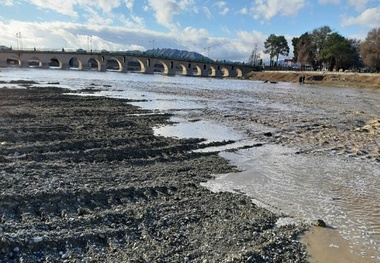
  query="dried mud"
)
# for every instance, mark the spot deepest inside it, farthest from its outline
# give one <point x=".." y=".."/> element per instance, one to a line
<point x="84" y="179"/>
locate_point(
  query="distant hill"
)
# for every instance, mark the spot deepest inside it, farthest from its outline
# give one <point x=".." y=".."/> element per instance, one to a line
<point x="175" y="53"/>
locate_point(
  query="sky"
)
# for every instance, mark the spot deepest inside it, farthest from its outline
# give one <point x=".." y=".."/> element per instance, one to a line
<point x="222" y="30"/>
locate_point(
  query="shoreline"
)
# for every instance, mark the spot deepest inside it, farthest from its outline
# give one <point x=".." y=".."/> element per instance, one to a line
<point x="129" y="126"/>
<point x="322" y="78"/>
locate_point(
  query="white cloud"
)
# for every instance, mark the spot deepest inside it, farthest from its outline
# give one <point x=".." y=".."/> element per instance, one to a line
<point x="358" y="4"/>
<point x="369" y="17"/>
<point x="94" y="18"/>
<point x="207" y="12"/>
<point x="223" y="6"/>
<point x="129" y="4"/>
<point x="224" y="11"/>
<point x="165" y="10"/>
<point x="220" y="4"/>
<point x="66" y="7"/>
<point x="267" y="9"/>
<point x="243" y="11"/>
<point x="7" y="2"/>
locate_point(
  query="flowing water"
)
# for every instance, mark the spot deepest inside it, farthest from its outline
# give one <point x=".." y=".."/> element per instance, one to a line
<point x="341" y="190"/>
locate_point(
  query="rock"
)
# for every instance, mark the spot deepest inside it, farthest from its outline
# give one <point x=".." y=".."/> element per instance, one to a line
<point x="37" y="239"/>
<point x="320" y="223"/>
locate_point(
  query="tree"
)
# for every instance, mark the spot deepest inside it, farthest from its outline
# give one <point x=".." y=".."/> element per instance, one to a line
<point x="319" y="37"/>
<point x="254" y="58"/>
<point x="356" y="61"/>
<point x="370" y="49"/>
<point x="336" y="51"/>
<point x="270" y="47"/>
<point x="295" y="48"/>
<point x="305" y="50"/>
<point x="276" y="46"/>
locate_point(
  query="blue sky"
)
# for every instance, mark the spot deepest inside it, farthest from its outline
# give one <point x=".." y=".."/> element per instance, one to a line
<point x="224" y="30"/>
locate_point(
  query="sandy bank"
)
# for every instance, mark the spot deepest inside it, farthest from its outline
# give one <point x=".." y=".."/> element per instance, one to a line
<point x="338" y="79"/>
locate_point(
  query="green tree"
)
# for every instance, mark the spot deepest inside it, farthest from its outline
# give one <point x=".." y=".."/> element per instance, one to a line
<point x="336" y="52"/>
<point x="295" y="48"/>
<point x="356" y="61"/>
<point x="319" y="37"/>
<point x="276" y="46"/>
<point x="370" y="49"/>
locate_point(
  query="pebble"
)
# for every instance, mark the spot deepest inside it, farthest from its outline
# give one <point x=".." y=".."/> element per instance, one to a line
<point x="37" y="239"/>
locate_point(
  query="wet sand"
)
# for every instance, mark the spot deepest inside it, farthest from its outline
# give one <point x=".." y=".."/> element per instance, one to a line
<point x="327" y="245"/>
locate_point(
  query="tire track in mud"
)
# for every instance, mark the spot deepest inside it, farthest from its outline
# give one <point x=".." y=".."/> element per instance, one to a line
<point x="84" y="178"/>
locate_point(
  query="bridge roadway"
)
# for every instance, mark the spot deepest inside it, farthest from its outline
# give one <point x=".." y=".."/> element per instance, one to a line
<point x="123" y="62"/>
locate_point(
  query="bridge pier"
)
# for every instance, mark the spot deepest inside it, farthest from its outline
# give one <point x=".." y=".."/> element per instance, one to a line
<point x="218" y="73"/>
<point x="24" y="64"/>
<point x="103" y="68"/>
<point x="170" y="72"/>
<point x="65" y="66"/>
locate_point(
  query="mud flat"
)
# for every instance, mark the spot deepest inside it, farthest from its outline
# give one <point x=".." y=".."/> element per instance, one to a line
<point x="85" y="179"/>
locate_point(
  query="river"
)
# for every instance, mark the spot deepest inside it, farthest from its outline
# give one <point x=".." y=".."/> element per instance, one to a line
<point x="333" y="186"/>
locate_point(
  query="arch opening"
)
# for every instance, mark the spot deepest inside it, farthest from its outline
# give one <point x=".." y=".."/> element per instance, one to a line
<point x="93" y="64"/>
<point x="135" y="65"/>
<point x="113" y="64"/>
<point x="182" y="70"/>
<point x="75" y="63"/>
<point x="34" y="62"/>
<point x="55" y="63"/>
<point x="225" y="72"/>
<point x="239" y="72"/>
<point x="12" y="62"/>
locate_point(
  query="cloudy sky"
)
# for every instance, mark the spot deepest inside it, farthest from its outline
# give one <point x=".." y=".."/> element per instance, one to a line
<point x="225" y="30"/>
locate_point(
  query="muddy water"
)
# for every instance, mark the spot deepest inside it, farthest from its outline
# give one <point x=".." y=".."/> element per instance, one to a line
<point x="325" y="182"/>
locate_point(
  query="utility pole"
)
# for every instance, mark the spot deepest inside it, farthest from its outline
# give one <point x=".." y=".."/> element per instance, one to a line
<point x="89" y="43"/>
<point x="152" y="43"/>
<point x="19" y="42"/>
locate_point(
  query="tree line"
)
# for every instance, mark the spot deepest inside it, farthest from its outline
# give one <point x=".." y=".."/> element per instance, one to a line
<point x="323" y="49"/>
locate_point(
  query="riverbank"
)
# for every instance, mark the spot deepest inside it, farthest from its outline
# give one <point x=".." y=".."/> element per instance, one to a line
<point x="84" y="178"/>
<point x="336" y="79"/>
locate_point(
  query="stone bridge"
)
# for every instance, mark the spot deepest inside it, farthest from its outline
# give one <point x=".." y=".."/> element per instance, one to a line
<point x="120" y="61"/>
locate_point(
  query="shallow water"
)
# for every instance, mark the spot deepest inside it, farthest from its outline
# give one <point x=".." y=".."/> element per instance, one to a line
<point x="342" y="191"/>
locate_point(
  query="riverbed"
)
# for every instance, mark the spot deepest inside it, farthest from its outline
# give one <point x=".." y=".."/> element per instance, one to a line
<point x="303" y="151"/>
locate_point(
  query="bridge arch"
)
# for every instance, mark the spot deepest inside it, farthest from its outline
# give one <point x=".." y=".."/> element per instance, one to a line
<point x="185" y="71"/>
<point x="94" y="64"/>
<point x="34" y="62"/>
<point x="225" y="72"/>
<point x="75" y="63"/>
<point x="239" y="72"/>
<point x="55" y="62"/>
<point x="13" y="61"/>
<point x="135" y="64"/>
<point x="113" y="64"/>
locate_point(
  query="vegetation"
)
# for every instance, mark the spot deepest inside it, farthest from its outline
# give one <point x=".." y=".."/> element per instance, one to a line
<point x="323" y="49"/>
<point x="276" y="46"/>
<point x="370" y="49"/>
